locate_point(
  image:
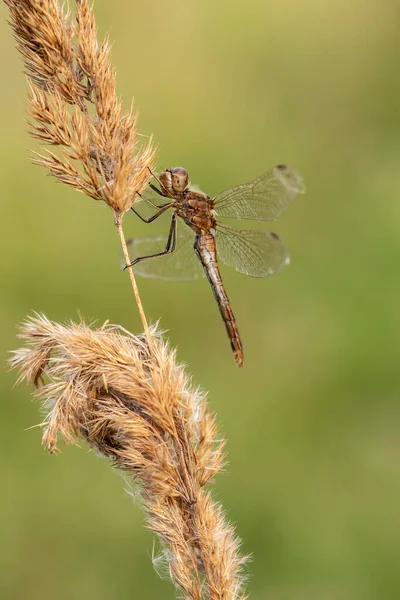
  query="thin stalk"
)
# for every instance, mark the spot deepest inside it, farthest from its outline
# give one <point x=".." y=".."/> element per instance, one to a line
<point x="118" y="224"/>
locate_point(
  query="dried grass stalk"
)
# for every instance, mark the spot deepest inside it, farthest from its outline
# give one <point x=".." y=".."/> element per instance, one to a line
<point x="124" y="395"/>
<point x="73" y="101"/>
<point x="133" y="403"/>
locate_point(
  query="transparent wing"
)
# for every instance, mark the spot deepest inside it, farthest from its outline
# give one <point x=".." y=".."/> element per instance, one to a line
<point x="264" y="199"/>
<point x="254" y="253"/>
<point x="180" y="265"/>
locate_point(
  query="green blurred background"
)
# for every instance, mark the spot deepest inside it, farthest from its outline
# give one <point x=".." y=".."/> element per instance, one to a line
<point x="313" y="420"/>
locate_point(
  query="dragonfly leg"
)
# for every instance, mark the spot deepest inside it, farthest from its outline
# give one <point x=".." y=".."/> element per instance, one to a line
<point x="169" y="248"/>
<point x="154" y="217"/>
<point x="159" y="192"/>
<point x="149" y="201"/>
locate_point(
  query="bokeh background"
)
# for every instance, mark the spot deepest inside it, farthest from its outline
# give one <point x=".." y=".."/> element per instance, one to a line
<point x="313" y="420"/>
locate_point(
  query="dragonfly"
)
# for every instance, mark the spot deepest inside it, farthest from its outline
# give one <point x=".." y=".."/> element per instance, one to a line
<point x="196" y="225"/>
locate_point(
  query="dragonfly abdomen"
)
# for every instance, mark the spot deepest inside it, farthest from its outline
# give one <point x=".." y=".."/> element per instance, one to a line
<point x="205" y="248"/>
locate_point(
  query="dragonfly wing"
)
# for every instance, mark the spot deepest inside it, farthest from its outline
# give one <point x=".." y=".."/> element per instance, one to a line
<point x="263" y="199"/>
<point x="180" y="265"/>
<point x="254" y="253"/>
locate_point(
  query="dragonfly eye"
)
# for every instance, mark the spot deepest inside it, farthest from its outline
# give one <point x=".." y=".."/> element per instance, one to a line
<point x="180" y="179"/>
<point x="166" y="180"/>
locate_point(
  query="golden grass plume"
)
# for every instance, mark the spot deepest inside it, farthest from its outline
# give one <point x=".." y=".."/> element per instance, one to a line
<point x="74" y="104"/>
<point x="131" y="402"/>
<point x="126" y="396"/>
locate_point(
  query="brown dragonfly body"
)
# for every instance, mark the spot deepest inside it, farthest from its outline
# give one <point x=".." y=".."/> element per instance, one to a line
<point x="196" y="209"/>
<point x="255" y="253"/>
<point x="206" y="250"/>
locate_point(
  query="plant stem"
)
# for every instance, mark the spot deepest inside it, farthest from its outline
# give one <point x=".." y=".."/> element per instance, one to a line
<point x="118" y="224"/>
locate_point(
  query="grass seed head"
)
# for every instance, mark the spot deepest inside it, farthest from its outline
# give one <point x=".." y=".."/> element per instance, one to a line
<point x="133" y="403"/>
<point x="74" y="104"/>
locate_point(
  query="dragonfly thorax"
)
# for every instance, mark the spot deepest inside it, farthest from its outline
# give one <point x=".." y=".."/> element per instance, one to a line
<point x="196" y="209"/>
<point x="175" y="180"/>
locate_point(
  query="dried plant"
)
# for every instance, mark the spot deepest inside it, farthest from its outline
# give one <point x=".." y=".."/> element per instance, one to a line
<point x="133" y="403"/>
<point x="73" y="101"/>
<point x="126" y="396"/>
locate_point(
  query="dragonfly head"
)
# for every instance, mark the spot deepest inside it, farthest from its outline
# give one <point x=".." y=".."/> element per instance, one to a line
<point x="176" y="180"/>
<point x="166" y="181"/>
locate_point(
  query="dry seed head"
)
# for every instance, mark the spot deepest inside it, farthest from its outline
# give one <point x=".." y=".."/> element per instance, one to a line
<point x="124" y="395"/>
<point x="134" y="404"/>
<point x="74" y="105"/>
